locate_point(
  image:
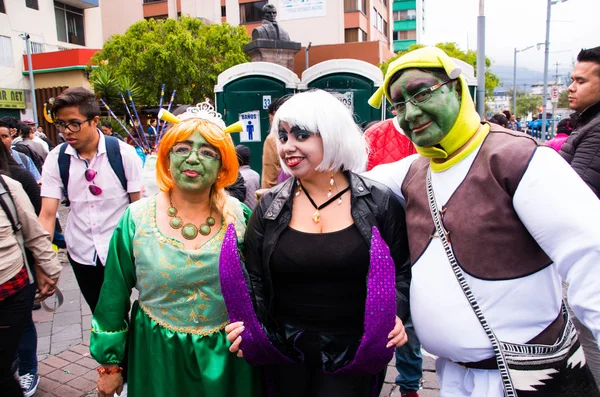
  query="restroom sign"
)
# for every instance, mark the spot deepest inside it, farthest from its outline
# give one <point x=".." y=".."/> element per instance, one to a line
<point x="251" y="126"/>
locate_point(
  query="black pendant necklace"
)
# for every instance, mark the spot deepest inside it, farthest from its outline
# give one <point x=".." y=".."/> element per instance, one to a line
<point x="317" y="214"/>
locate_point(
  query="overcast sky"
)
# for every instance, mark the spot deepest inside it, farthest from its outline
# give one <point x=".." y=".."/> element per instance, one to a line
<point x="575" y="24"/>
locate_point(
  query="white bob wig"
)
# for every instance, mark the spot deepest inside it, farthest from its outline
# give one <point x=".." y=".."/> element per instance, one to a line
<point x="317" y="111"/>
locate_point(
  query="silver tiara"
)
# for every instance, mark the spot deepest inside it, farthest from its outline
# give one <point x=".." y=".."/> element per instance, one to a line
<point x="204" y="111"/>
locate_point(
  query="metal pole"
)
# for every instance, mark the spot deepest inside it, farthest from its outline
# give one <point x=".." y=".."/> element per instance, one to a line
<point x="30" y="67"/>
<point x="481" y="61"/>
<point x="545" y="89"/>
<point x="515" y="86"/>
<point x="306" y="55"/>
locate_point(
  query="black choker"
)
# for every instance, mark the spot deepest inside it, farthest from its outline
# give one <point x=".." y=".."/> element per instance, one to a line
<point x="317" y="215"/>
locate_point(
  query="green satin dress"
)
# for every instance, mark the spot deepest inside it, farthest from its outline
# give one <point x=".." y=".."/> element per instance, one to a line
<point x="177" y="340"/>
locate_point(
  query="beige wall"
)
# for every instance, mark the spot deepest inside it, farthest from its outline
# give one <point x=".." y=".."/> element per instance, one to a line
<point x="328" y="29"/>
<point x="70" y="78"/>
<point x="119" y="15"/>
<point x="210" y="10"/>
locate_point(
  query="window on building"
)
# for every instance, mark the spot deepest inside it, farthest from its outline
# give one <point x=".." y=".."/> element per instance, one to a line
<point x="157" y="17"/>
<point x="153" y="1"/>
<point x="6" y="54"/>
<point x="2" y="9"/>
<point x="251" y="12"/>
<point x="378" y="21"/>
<point x="395" y="35"/>
<point x="32" y="4"/>
<point x="354" y="35"/>
<point x="355" y="5"/>
<point x="405" y="15"/>
<point x="36" y="48"/>
<point x="223" y="11"/>
<point x="407" y="35"/>
<point x="69" y="23"/>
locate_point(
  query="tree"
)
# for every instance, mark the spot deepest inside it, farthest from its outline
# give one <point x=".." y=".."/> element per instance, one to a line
<point x="528" y="104"/>
<point x="563" y="99"/>
<point x="470" y="57"/>
<point x="185" y="54"/>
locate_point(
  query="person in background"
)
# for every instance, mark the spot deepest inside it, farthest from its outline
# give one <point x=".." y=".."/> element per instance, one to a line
<point x="387" y="143"/>
<point x="151" y="133"/>
<point x="97" y="197"/>
<point x="34" y="137"/>
<point x="582" y="151"/>
<point x="17" y="288"/>
<point x="270" y="160"/>
<point x="563" y="130"/>
<point x="21" y="159"/>
<point x="511" y="124"/>
<point x="27" y="352"/>
<point x="499" y="119"/>
<point x="28" y="139"/>
<point x="251" y="177"/>
<point x="107" y="129"/>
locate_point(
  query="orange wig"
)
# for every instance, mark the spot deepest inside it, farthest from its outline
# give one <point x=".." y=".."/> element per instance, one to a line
<point x="216" y="137"/>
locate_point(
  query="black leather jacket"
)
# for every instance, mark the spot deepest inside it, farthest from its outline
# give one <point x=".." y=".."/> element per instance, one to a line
<point x="373" y="204"/>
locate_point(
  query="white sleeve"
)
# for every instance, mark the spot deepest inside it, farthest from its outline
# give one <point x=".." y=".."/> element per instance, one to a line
<point x="52" y="185"/>
<point x="563" y="216"/>
<point x="392" y="174"/>
<point x="133" y="168"/>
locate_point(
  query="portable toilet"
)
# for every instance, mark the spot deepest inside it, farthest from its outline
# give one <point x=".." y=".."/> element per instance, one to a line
<point x="244" y="93"/>
<point x="351" y="80"/>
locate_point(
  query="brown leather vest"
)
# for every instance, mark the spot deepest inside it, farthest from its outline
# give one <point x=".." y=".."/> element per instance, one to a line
<point x="489" y="240"/>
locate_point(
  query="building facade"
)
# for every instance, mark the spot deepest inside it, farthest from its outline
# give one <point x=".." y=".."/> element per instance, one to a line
<point x="320" y="22"/>
<point x="51" y="27"/>
<point x="409" y="23"/>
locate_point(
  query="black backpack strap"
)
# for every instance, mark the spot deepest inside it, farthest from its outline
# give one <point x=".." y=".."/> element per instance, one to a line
<point x="64" y="163"/>
<point x="113" y="151"/>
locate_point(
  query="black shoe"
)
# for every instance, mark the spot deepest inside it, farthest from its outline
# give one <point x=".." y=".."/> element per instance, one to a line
<point x="37" y="305"/>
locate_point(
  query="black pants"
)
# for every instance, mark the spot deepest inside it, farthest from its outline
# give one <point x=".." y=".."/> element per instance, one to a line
<point x="14" y="314"/>
<point x="309" y="380"/>
<point x="90" y="280"/>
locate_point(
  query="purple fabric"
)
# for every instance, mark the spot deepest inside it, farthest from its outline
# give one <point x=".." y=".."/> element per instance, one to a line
<point x="380" y="312"/>
<point x="256" y="346"/>
<point x="282" y="177"/>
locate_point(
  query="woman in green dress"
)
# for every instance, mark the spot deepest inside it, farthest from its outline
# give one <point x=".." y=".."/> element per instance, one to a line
<point x="167" y="247"/>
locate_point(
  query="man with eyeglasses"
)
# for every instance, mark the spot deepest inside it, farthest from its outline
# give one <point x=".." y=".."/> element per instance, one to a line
<point x="95" y="192"/>
<point x="490" y="238"/>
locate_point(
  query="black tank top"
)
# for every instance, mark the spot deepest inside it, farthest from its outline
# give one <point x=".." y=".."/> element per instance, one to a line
<point x="320" y="280"/>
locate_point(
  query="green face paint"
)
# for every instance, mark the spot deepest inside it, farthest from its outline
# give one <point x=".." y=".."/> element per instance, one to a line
<point x="194" y="163"/>
<point x="435" y="112"/>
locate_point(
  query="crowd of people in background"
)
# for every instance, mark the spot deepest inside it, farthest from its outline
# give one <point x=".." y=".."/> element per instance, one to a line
<point x="352" y="246"/>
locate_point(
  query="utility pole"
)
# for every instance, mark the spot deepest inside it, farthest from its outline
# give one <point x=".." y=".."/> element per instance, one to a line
<point x="26" y="37"/>
<point x="554" y="105"/>
<point x="481" y="60"/>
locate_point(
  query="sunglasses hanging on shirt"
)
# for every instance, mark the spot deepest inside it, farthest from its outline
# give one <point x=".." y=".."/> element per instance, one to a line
<point x="90" y="174"/>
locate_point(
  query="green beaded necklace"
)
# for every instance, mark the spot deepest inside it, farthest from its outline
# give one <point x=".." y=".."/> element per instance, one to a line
<point x="189" y="231"/>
